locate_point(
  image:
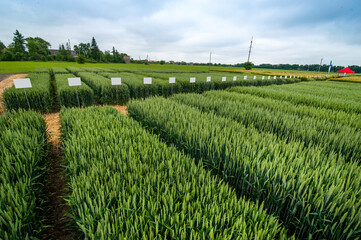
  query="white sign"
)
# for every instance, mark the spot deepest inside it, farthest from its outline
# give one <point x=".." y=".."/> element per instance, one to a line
<point x="269" y="77"/>
<point x="254" y="77"/>
<point x="285" y="77"/>
<point x="171" y="79"/>
<point x="116" y="81"/>
<point x="147" y="80"/>
<point x="245" y="77"/>
<point x="280" y="77"/>
<point x="208" y="79"/>
<point x="22" y="83"/>
<point x="192" y="80"/>
<point x="74" y="81"/>
<point x="275" y="77"/>
<point x="224" y="79"/>
<point x="234" y="78"/>
<point x="262" y="77"/>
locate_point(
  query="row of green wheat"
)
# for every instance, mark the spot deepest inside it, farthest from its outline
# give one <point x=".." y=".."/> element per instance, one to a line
<point x="23" y="158"/>
<point x="322" y="114"/>
<point x="126" y="184"/>
<point x="39" y="96"/>
<point x="302" y="99"/>
<point x="336" y="90"/>
<point x="317" y="195"/>
<point x="331" y="136"/>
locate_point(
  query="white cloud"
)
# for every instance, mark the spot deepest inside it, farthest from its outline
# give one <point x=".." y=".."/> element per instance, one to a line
<point x="284" y="31"/>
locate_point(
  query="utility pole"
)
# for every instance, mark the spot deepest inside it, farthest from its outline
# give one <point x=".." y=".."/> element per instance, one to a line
<point x="250" y="47"/>
<point x="319" y="68"/>
<point x="210" y="58"/>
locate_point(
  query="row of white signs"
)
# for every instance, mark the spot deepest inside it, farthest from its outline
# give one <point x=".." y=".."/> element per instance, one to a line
<point x="25" y="82"/>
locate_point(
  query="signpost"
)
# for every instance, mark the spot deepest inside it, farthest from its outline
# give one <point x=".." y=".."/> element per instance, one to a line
<point x="192" y="80"/>
<point x="75" y="82"/>
<point x="23" y="83"/>
<point x="171" y="81"/>
<point x="115" y="82"/>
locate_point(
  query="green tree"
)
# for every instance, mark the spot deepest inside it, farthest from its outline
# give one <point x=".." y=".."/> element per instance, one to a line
<point x="2" y="45"/>
<point x="38" y="48"/>
<point x="95" y="52"/>
<point x="80" y="59"/>
<point x="248" y="65"/>
<point x="107" y="57"/>
<point x="19" y="42"/>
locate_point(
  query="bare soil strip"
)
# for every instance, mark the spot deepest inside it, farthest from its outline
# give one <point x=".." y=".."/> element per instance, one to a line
<point x="56" y="185"/>
<point x="6" y="83"/>
<point x="122" y="109"/>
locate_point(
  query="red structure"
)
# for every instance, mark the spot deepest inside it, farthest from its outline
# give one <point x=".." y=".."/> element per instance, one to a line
<point x="346" y="70"/>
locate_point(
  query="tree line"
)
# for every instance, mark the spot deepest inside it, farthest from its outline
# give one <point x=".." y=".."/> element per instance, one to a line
<point x="37" y="49"/>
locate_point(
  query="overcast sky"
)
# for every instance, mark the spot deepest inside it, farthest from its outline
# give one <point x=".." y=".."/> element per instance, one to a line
<point x="284" y="31"/>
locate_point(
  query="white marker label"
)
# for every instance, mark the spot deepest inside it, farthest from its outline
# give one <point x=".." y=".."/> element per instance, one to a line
<point x="254" y="77"/>
<point x="147" y="80"/>
<point x="262" y="77"/>
<point x="22" y="83"/>
<point x="234" y="78"/>
<point x="116" y="81"/>
<point x="269" y="77"/>
<point x="224" y="79"/>
<point x="192" y="80"/>
<point x="208" y="79"/>
<point x="280" y="77"/>
<point x="285" y="77"/>
<point x="171" y="79"/>
<point x="275" y="77"/>
<point x="245" y="77"/>
<point x="74" y="82"/>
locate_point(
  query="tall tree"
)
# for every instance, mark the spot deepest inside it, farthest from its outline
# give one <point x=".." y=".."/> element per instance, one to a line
<point x="95" y="52"/>
<point x="37" y="46"/>
<point x="2" y="45"/>
<point x="19" y="42"/>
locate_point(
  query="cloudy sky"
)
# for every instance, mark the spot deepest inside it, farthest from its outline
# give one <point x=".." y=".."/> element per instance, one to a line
<point x="284" y="31"/>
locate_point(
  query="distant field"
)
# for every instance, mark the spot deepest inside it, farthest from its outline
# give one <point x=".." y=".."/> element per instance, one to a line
<point x="275" y="72"/>
<point x="25" y="67"/>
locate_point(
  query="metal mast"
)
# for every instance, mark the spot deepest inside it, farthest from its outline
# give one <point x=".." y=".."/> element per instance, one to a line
<point x="319" y="68"/>
<point x="250" y="47"/>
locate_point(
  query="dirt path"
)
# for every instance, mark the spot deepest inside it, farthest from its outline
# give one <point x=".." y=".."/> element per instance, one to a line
<point x="122" y="109"/>
<point x="56" y="185"/>
<point x="6" y="83"/>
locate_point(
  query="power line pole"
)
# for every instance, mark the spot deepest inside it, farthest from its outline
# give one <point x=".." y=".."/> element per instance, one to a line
<point x="250" y="47"/>
<point x="319" y="68"/>
<point x="210" y="58"/>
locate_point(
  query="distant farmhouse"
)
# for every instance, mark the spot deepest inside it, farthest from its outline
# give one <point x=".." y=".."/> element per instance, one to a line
<point x="127" y="59"/>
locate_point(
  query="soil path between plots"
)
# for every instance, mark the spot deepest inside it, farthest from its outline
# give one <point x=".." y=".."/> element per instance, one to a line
<point x="6" y="83"/>
<point x="57" y="217"/>
<point x="122" y="109"/>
